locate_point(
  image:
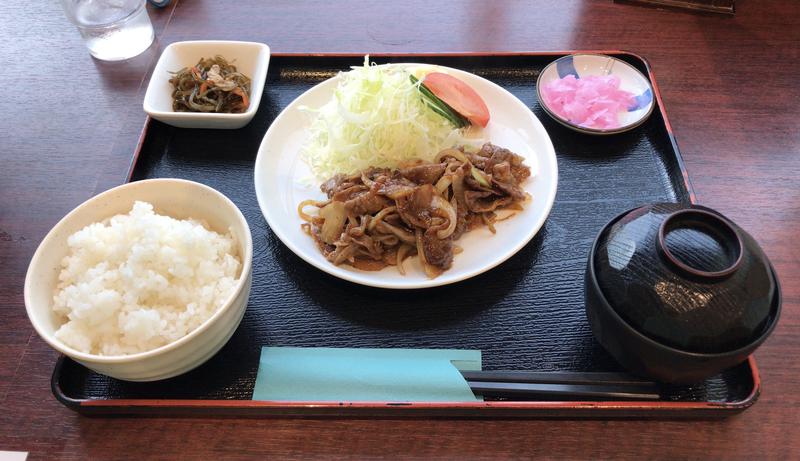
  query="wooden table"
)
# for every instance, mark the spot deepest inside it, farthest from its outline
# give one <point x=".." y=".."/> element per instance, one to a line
<point x="70" y="124"/>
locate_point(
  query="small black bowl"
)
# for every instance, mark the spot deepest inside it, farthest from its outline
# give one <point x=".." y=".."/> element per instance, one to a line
<point x="678" y="293"/>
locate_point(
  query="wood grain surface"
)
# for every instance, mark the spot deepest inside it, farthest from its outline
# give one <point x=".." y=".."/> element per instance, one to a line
<point x="729" y="85"/>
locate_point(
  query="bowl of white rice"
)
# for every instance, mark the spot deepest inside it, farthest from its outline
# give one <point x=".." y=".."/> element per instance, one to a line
<point x="144" y="281"/>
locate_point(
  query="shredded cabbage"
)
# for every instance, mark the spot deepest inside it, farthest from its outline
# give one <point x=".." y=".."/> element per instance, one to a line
<point x="376" y="118"/>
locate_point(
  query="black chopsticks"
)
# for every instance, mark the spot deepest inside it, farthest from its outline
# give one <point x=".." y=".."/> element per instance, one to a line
<point x="560" y="385"/>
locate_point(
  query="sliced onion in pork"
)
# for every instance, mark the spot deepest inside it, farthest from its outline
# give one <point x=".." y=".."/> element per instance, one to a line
<point x="443" y="183"/>
<point x="440" y="203"/>
<point x="403" y="235"/>
<point x="305" y="216"/>
<point x="387" y="240"/>
<point x="402" y="253"/>
<point x="398" y="192"/>
<point x="379" y="217"/>
<point x="366" y="180"/>
<point x="334" y="215"/>
<point x="421" y="250"/>
<point x="479" y="176"/>
<point x="455" y="153"/>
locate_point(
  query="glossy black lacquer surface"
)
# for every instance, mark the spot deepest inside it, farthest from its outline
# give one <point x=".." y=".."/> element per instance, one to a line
<point x="686" y="277"/>
<point x="526" y="314"/>
<point x="710" y="286"/>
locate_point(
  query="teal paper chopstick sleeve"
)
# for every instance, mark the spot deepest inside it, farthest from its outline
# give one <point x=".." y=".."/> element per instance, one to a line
<point x="368" y="375"/>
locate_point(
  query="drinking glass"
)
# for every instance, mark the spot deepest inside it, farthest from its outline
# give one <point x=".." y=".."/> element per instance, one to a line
<point x="112" y="29"/>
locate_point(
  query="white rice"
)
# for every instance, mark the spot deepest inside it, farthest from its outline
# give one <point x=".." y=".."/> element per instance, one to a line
<point x="139" y="281"/>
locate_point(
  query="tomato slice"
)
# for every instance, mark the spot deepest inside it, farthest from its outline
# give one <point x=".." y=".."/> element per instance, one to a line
<point x="458" y="95"/>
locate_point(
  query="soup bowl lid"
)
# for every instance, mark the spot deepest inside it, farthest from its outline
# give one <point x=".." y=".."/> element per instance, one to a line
<point x="686" y="277"/>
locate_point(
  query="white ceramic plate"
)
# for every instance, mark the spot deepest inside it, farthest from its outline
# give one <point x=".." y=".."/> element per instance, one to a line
<point x="282" y="182"/>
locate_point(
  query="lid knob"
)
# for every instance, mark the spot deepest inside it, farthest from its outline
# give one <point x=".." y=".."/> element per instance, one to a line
<point x="700" y="244"/>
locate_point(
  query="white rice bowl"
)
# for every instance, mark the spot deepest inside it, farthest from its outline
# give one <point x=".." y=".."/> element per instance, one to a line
<point x="139" y="281"/>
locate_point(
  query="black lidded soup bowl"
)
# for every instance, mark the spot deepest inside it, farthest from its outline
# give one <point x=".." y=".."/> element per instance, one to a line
<point x="678" y="293"/>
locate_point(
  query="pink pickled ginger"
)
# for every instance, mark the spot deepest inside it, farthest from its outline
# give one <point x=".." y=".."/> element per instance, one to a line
<point x="593" y="101"/>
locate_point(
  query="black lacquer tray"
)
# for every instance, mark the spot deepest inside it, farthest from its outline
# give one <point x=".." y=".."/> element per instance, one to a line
<point x="526" y="314"/>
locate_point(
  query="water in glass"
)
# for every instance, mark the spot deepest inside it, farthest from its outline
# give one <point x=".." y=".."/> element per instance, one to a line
<point x="112" y="29"/>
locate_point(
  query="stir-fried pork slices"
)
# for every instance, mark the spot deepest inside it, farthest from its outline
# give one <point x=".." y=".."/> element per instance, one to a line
<point x="379" y="217"/>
